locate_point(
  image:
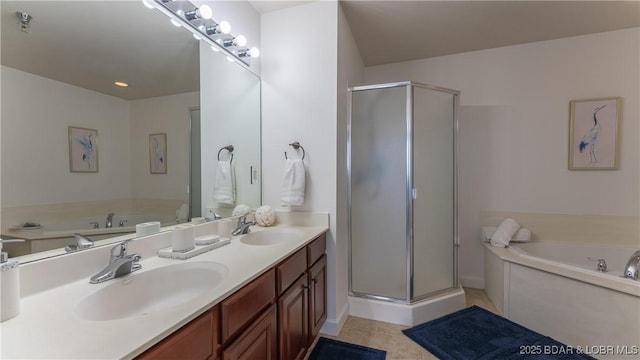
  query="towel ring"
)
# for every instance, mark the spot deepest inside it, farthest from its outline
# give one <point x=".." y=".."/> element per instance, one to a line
<point x="296" y="145"/>
<point x="229" y="148"/>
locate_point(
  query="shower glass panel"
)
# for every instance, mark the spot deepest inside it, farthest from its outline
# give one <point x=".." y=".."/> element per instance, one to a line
<point x="402" y="192"/>
<point x="378" y="192"/>
<point x="433" y="179"/>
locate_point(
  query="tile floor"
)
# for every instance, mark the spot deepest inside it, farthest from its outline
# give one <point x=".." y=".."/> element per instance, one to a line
<point x="389" y="337"/>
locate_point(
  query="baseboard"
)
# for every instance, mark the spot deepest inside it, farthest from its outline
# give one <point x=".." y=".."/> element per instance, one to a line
<point x="472" y="282"/>
<point x="333" y="326"/>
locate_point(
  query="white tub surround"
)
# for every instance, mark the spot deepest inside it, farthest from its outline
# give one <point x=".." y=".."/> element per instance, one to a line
<point x="546" y="287"/>
<point x="52" y="288"/>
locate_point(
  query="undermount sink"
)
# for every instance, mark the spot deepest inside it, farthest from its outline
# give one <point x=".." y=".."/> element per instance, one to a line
<point x="151" y="291"/>
<point x="270" y="237"/>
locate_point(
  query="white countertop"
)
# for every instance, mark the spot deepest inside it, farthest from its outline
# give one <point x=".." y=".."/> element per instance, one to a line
<point x="48" y="327"/>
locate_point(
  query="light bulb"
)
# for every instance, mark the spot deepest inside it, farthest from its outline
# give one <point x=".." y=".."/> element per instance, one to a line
<point x="197" y="37"/>
<point x="241" y="40"/>
<point x="180" y="13"/>
<point x="215" y="48"/>
<point x="148" y="4"/>
<point x="205" y="11"/>
<point x="230" y="59"/>
<point x="225" y="27"/>
<point x="175" y="23"/>
<point x="254" y="52"/>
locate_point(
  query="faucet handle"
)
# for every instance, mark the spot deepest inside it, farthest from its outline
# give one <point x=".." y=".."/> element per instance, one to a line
<point x="602" y="264"/>
<point x="120" y="249"/>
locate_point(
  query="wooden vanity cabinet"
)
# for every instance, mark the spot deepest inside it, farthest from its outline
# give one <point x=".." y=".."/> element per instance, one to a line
<point x="275" y="316"/>
<point x="199" y="339"/>
<point x="317" y="297"/>
<point x="302" y="305"/>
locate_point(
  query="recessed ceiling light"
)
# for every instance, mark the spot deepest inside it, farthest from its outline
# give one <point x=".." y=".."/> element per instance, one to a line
<point x="120" y="83"/>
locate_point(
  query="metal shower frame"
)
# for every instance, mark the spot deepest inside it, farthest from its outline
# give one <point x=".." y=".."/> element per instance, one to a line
<point x="410" y="298"/>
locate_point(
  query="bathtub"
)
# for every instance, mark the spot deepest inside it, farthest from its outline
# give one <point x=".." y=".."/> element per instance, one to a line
<point x="552" y="288"/>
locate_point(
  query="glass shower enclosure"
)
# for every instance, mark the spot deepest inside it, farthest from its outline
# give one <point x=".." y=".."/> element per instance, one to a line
<point x="402" y="172"/>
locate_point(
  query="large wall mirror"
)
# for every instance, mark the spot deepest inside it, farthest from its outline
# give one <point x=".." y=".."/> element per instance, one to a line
<point x="76" y="148"/>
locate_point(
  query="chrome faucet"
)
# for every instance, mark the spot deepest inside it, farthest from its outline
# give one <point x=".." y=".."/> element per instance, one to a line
<point x="109" y="223"/>
<point x="120" y="263"/>
<point x="632" y="270"/>
<point x="82" y="242"/>
<point x="215" y="215"/>
<point x="243" y="225"/>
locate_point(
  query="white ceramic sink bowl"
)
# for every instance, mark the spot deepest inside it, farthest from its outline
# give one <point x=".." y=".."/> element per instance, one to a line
<point x="151" y="291"/>
<point x="270" y="237"/>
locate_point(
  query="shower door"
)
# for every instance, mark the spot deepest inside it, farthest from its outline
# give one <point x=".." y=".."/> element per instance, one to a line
<point x="378" y="192"/>
<point x="402" y="194"/>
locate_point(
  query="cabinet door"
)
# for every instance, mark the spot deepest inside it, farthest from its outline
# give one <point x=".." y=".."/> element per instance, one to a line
<point x="196" y="340"/>
<point x="259" y="341"/>
<point x="293" y="321"/>
<point x="317" y="297"/>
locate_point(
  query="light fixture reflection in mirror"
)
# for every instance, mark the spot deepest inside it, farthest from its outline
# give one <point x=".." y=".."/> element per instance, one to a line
<point x="206" y="29"/>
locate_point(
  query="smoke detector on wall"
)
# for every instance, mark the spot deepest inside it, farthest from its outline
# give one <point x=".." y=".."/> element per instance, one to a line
<point x="24" y="21"/>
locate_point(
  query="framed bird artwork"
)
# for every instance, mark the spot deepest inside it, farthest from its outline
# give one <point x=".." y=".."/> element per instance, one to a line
<point x="594" y="127"/>
<point x="158" y="153"/>
<point x="83" y="150"/>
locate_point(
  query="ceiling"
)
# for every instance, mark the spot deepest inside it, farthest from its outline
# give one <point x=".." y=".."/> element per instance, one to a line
<point x="91" y="44"/>
<point x="131" y="43"/>
<point x="394" y="31"/>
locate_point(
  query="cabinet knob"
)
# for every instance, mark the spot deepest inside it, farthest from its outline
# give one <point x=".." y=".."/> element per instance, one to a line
<point x="305" y="287"/>
<point x="315" y="280"/>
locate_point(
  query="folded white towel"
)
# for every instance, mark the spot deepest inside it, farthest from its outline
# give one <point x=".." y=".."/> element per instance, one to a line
<point x="522" y="235"/>
<point x="504" y="233"/>
<point x="224" y="186"/>
<point x="293" y="182"/>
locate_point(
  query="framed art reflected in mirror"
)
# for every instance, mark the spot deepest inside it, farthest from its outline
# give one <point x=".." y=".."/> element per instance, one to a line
<point x="158" y="153"/>
<point x="83" y="150"/>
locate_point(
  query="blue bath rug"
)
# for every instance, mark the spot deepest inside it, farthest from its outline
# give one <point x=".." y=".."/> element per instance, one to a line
<point x="474" y="333"/>
<point x="328" y="349"/>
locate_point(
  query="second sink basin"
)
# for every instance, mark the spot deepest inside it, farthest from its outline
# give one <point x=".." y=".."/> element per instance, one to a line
<point x="151" y="291"/>
<point x="270" y="237"/>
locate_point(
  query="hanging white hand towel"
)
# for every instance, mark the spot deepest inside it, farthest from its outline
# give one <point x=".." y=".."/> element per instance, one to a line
<point x="293" y="182"/>
<point x="224" y="186"/>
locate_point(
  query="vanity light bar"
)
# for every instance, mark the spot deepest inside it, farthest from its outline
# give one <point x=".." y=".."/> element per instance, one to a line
<point x="217" y="34"/>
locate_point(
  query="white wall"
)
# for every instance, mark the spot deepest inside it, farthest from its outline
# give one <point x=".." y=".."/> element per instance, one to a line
<point x="164" y="114"/>
<point x="36" y="114"/>
<point x="350" y="73"/>
<point x="299" y="103"/>
<point x="514" y="129"/>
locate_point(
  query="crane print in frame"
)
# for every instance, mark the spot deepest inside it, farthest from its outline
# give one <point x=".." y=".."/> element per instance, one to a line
<point x="158" y="153"/>
<point x="83" y="150"/>
<point x="594" y="128"/>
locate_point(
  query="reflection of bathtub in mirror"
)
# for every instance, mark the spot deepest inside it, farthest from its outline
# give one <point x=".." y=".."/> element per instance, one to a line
<point x="58" y="235"/>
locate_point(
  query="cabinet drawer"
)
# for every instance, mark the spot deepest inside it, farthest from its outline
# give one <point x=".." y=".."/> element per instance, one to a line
<point x="247" y="303"/>
<point x="196" y="340"/>
<point x="290" y="269"/>
<point x="259" y="341"/>
<point x="316" y="249"/>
